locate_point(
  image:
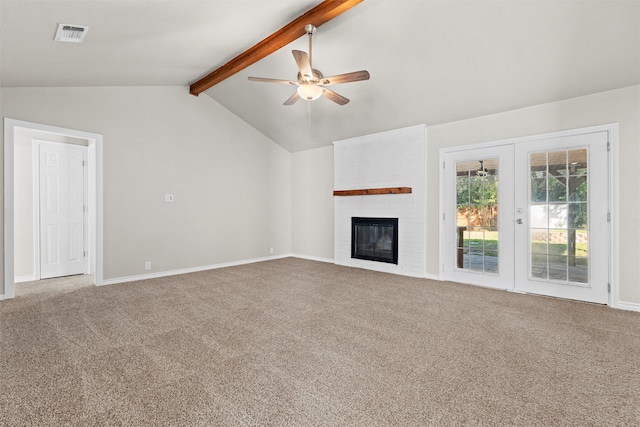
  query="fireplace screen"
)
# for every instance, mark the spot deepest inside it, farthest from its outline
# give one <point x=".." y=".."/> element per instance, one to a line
<point x="375" y="239"/>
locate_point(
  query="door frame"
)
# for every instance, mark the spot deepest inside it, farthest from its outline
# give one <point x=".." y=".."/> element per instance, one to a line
<point x="613" y="162"/>
<point x="94" y="180"/>
<point x="89" y="194"/>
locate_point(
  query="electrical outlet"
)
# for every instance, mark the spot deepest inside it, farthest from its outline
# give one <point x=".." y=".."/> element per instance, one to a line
<point x="271" y="251"/>
<point x="168" y="197"/>
<point x="147" y="265"/>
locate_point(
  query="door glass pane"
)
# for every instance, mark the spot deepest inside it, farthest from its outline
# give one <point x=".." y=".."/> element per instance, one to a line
<point x="578" y="267"/>
<point x="578" y="188"/>
<point x="539" y="240"/>
<point x="558" y="216"/>
<point x="577" y="217"/>
<point x="539" y="266"/>
<point x="477" y="215"/>
<point x="557" y="188"/>
<point x="538" y="216"/>
<point x="538" y="190"/>
<point x="578" y="161"/>
<point x="462" y="189"/>
<point x="557" y="163"/>
<point x="557" y="267"/>
<point x="538" y="163"/>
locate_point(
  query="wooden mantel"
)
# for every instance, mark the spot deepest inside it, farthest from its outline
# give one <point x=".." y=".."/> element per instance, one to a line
<point x="372" y="191"/>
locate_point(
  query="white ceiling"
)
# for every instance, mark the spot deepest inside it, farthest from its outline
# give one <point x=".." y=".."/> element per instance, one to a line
<point x="430" y="61"/>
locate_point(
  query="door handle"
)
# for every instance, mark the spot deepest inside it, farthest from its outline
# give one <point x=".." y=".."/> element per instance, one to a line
<point x="519" y="221"/>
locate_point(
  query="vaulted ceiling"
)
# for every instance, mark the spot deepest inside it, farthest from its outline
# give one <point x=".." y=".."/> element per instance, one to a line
<point x="430" y="61"/>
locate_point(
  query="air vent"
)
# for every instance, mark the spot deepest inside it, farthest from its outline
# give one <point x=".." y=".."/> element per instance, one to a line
<point x="71" y="33"/>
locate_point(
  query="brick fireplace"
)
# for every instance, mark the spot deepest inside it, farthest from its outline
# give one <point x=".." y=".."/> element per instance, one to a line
<point x="382" y="177"/>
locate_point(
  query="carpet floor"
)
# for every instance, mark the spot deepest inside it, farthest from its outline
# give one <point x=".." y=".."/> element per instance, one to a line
<point x="292" y="342"/>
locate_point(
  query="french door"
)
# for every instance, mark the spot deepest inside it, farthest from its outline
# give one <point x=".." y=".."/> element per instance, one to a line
<point x="479" y="217"/>
<point x="530" y="216"/>
<point x="562" y="210"/>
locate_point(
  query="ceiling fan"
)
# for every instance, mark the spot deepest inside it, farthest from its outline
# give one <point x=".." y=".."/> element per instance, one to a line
<point x="311" y="84"/>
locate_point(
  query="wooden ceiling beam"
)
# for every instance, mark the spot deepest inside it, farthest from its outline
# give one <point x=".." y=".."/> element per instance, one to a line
<point x="324" y="12"/>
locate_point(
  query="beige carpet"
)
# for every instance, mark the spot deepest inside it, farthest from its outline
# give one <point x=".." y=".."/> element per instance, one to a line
<point x="300" y="343"/>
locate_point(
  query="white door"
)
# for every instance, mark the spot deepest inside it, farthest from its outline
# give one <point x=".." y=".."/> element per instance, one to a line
<point x="530" y="216"/>
<point x="562" y="232"/>
<point x="61" y="198"/>
<point x="478" y="217"/>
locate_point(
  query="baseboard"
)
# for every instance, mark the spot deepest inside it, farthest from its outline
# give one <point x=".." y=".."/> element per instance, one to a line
<point x="159" y="274"/>
<point x="630" y="306"/>
<point x="22" y="279"/>
<point x="312" y="258"/>
<point x="432" y="277"/>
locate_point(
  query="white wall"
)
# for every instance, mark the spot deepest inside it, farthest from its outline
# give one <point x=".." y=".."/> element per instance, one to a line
<point x="312" y="203"/>
<point x="231" y="183"/>
<point x="617" y="106"/>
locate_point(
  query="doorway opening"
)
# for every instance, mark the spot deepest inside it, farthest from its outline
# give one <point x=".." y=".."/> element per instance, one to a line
<point x="94" y="236"/>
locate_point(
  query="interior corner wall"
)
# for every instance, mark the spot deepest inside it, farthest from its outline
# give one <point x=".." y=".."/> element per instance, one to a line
<point x="312" y="203"/>
<point x="231" y="184"/>
<point x="620" y="106"/>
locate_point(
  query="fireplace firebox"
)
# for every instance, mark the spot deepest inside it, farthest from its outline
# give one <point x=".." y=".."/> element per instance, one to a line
<point x="375" y="239"/>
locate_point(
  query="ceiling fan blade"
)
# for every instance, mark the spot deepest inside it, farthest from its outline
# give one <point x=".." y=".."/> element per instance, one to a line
<point x="302" y="59"/>
<point x="266" y="80"/>
<point x="345" y="78"/>
<point x="337" y="98"/>
<point x="292" y="100"/>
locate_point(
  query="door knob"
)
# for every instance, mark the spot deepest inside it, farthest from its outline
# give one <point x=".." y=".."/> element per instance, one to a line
<point x="519" y="221"/>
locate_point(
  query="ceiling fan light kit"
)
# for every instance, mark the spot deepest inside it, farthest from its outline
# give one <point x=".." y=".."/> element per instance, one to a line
<point x="310" y="91"/>
<point x="311" y="83"/>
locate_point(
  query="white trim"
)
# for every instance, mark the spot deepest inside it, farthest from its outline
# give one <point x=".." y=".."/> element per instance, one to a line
<point x="433" y="277"/>
<point x="530" y="138"/>
<point x="425" y="201"/>
<point x="169" y="273"/>
<point x="630" y="306"/>
<point x="22" y="279"/>
<point x="441" y="207"/>
<point x="8" y="259"/>
<point x="614" y="230"/>
<point x="95" y="222"/>
<point x="313" y="258"/>
<point x="614" y="209"/>
<point x="35" y="194"/>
